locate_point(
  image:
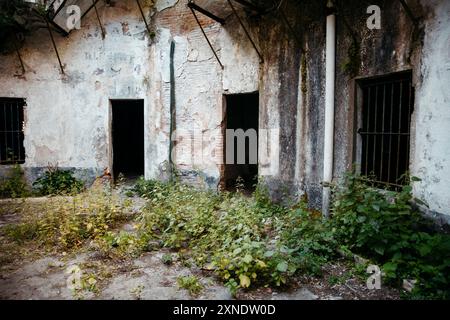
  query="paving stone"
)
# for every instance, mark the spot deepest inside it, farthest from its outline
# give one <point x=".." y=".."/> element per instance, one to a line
<point x="300" y="294"/>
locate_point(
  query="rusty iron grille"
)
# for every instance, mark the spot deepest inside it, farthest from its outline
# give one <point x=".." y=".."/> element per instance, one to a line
<point x="12" y="150"/>
<point x="387" y="105"/>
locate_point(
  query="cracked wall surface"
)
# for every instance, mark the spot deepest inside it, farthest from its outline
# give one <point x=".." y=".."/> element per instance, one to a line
<point x="67" y="116"/>
<point x="68" y="120"/>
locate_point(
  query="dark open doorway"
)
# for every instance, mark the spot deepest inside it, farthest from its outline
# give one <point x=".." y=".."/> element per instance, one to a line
<point x="128" y="138"/>
<point x="242" y="112"/>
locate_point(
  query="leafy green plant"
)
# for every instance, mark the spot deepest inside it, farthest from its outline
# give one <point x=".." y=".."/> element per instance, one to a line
<point x="151" y="188"/>
<point x="58" y="182"/>
<point x="190" y="283"/>
<point x="22" y="232"/>
<point x="384" y="227"/>
<point x="167" y="259"/>
<point x="89" y="283"/>
<point x="14" y="185"/>
<point x="121" y="244"/>
<point x="237" y="236"/>
<point x="67" y="224"/>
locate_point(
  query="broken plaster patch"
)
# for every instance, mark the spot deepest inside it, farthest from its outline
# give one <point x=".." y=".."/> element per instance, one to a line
<point x="164" y="4"/>
<point x="193" y="55"/>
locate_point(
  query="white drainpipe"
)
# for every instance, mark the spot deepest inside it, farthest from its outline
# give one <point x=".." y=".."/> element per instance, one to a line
<point x="329" y="109"/>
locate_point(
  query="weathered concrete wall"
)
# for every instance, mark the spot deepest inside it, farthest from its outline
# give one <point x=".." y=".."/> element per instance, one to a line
<point x="199" y="87"/>
<point x="292" y="90"/>
<point x="297" y="113"/>
<point x="399" y="46"/>
<point x="67" y="117"/>
<point x="430" y="156"/>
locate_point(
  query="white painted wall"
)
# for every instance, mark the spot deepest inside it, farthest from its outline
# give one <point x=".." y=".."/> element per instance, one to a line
<point x="430" y="157"/>
<point x="67" y="115"/>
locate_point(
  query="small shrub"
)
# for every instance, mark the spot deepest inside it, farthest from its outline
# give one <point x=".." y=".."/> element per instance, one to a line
<point x="167" y="259"/>
<point x="310" y="237"/>
<point x="89" y="283"/>
<point x="14" y="186"/>
<point x="190" y="283"/>
<point x="68" y="223"/>
<point x="58" y="182"/>
<point x="151" y="188"/>
<point x="122" y="244"/>
<point x="22" y="232"/>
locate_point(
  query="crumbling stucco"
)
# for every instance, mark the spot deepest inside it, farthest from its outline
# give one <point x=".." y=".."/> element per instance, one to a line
<point x="68" y="117"/>
<point x="430" y="158"/>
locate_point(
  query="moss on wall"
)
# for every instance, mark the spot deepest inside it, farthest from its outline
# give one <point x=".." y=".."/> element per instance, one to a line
<point x="352" y="64"/>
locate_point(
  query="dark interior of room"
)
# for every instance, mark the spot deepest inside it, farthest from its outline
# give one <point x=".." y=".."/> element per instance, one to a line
<point x="128" y="138"/>
<point x="242" y="112"/>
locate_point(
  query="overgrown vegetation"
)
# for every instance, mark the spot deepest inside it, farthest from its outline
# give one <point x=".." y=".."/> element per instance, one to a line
<point x="385" y="228"/>
<point x="246" y="241"/>
<point x="55" y="181"/>
<point x="250" y="241"/>
<point x="14" y="186"/>
<point x="190" y="283"/>
<point x="66" y="223"/>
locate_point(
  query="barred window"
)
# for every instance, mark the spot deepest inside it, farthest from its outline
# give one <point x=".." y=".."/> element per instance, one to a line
<point x="387" y="105"/>
<point x="12" y="150"/>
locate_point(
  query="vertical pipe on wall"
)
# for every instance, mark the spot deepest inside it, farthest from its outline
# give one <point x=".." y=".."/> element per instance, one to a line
<point x="172" y="108"/>
<point x="329" y="108"/>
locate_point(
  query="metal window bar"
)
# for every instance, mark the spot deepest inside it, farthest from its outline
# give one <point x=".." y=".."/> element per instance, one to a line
<point x="12" y="150"/>
<point x="410" y="111"/>
<point x="385" y="131"/>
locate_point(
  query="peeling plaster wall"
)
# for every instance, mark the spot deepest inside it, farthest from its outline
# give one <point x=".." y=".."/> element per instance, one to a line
<point x="67" y="117"/>
<point x="292" y="99"/>
<point x="399" y="46"/>
<point x="297" y="113"/>
<point x="200" y="84"/>
<point x="431" y="154"/>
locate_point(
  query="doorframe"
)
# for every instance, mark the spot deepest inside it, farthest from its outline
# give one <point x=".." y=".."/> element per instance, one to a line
<point x="224" y="124"/>
<point x="110" y="133"/>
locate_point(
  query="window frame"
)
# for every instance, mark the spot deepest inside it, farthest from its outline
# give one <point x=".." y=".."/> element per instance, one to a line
<point x="358" y="96"/>
<point x="17" y="135"/>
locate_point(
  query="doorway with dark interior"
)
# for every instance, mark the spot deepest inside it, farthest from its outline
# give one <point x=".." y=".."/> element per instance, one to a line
<point x="241" y="112"/>
<point x="127" y="128"/>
